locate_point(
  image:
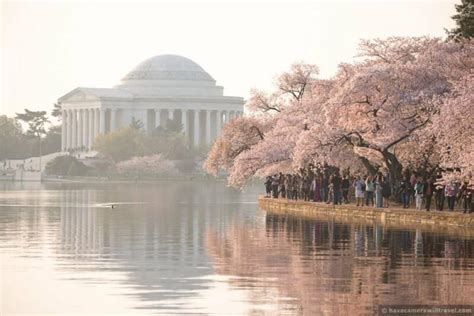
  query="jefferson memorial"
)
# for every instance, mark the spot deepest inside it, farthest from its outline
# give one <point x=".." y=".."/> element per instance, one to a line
<point x="160" y="88"/>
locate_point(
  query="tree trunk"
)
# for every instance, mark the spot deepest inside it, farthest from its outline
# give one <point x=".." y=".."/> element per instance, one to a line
<point x="370" y="168"/>
<point x="395" y="169"/>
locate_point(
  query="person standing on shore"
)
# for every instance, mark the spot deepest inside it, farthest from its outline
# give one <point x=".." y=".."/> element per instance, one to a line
<point x="466" y="196"/>
<point x="419" y="188"/>
<point x="369" y="188"/>
<point x="295" y="185"/>
<point x="359" y="192"/>
<point x="450" y="193"/>
<point x="386" y="191"/>
<point x="311" y="189"/>
<point x="404" y="191"/>
<point x="413" y="179"/>
<point x="275" y="184"/>
<point x="345" y="185"/>
<point x="306" y="187"/>
<point x="268" y="186"/>
<point x="316" y="189"/>
<point x="428" y="190"/>
<point x="282" y="185"/>
<point x="330" y="191"/>
<point x="336" y="187"/>
<point x="379" y="191"/>
<point x="324" y="187"/>
<point x="439" y="192"/>
<point x="289" y="187"/>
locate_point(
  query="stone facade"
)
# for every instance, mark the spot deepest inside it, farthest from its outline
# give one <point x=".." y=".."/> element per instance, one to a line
<point x="164" y="87"/>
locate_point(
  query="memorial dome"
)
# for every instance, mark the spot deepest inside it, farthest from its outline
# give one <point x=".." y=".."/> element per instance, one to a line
<point x="168" y="67"/>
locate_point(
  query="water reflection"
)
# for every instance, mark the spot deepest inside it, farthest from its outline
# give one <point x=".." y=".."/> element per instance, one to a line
<point x="323" y="267"/>
<point x="203" y="248"/>
<point x="157" y="242"/>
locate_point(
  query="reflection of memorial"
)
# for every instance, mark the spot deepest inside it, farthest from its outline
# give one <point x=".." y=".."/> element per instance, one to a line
<point x="158" y="244"/>
<point x="79" y="231"/>
<point x="322" y="267"/>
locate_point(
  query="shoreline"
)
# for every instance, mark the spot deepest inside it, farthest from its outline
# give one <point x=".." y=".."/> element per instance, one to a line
<point x="114" y="180"/>
<point x="453" y="223"/>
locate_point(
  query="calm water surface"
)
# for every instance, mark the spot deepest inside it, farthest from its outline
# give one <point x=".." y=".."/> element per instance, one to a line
<point x="204" y="248"/>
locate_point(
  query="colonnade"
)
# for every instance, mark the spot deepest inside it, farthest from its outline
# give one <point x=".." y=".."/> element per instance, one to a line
<point x="81" y="126"/>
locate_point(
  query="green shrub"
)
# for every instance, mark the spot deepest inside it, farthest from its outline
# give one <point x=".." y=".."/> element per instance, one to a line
<point x="77" y="168"/>
<point x="65" y="165"/>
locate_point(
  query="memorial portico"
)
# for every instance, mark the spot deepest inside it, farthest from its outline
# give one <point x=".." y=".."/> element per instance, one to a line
<point x="162" y="88"/>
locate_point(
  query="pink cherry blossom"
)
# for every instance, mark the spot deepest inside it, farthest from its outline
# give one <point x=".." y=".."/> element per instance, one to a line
<point x="398" y="107"/>
<point x="154" y="165"/>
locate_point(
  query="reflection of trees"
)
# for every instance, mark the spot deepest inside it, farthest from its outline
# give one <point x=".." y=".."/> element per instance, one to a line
<point x="343" y="269"/>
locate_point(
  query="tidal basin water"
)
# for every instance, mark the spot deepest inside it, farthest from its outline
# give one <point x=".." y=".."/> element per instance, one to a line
<point x="183" y="247"/>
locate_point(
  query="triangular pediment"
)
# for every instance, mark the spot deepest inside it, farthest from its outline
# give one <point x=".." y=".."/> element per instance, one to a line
<point x="91" y="94"/>
<point x="78" y="94"/>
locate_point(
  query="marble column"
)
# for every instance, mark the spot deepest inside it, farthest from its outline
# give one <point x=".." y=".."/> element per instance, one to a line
<point x="69" y="130"/>
<point x="102" y="121"/>
<point x="74" y="129"/>
<point x="79" y="128"/>
<point x="171" y="114"/>
<point x="63" y="131"/>
<point x="218" y="122"/>
<point x="148" y="123"/>
<point x="157" y="117"/>
<point x="208" y="127"/>
<point x="184" y="121"/>
<point x="85" y="129"/>
<point x="91" y="127"/>
<point x="113" y="119"/>
<point x="225" y="118"/>
<point x="196" y="128"/>
<point x="96" y="122"/>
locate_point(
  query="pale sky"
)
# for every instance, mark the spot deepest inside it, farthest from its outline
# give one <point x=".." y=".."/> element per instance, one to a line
<point x="49" y="48"/>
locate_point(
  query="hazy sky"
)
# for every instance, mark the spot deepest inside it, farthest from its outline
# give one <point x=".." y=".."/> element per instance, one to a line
<point x="48" y="48"/>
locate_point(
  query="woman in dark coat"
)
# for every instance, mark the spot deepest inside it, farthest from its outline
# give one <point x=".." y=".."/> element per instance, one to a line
<point x="268" y="186"/>
<point x="386" y="191"/>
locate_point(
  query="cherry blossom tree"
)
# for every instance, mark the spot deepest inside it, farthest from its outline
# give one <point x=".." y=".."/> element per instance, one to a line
<point x="453" y="129"/>
<point x="378" y="113"/>
<point x="378" y="105"/>
<point x="243" y="139"/>
<point x="237" y="136"/>
<point x="290" y="87"/>
<point x="147" y="165"/>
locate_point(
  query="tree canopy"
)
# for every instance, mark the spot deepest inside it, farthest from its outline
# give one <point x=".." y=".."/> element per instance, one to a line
<point x="65" y="166"/>
<point x="18" y="144"/>
<point x="464" y="19"/>
<point x="131" y="142"/>
<point x="11" y="135"/>
<point x="397" y="107"/>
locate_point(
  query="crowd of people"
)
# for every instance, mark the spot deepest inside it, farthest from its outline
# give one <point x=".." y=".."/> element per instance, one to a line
<point x="375" y="191"/>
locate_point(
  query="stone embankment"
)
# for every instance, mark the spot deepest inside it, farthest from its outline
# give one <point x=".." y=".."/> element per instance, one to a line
<point x="441" y="222"/>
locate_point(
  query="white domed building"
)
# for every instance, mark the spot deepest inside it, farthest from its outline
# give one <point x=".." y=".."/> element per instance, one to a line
<point x="160" y="88"/>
